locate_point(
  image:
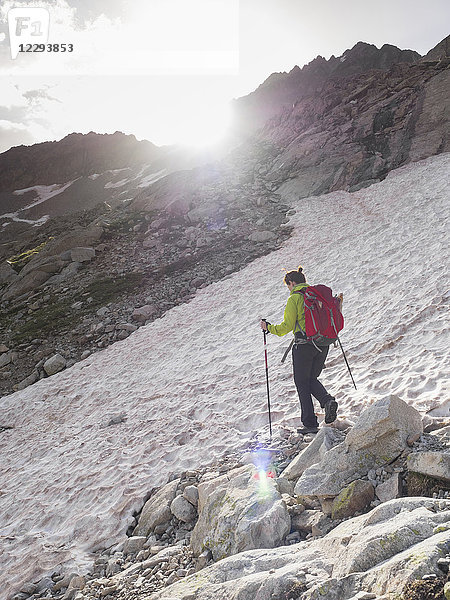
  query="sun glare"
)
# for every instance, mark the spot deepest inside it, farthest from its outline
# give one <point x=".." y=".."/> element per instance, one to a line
<point x="188" y="123"/>
<point x="204" y="127"/>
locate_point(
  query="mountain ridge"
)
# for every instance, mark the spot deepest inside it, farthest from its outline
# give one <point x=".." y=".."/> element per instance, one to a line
<point x="280" y="90"/>
<point x="158" y="231"/>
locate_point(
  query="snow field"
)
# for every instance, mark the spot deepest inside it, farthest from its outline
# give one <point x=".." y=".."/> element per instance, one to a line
<point x="192" y="383"/>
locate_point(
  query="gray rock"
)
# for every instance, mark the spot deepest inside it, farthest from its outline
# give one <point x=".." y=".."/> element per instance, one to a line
<point x="126" y="327"/>
<point x="112" y="567"/>
<point x="150" y="242"/>
<point x="82" y="254"/>
<point x="261" y="236"/>
<point x="239" y="514"/>
<point x="380" y="550"/>
<point x="29" y="588"/>
<point x="46" y="583"/>
<point x="308" y="520"/>
<point x="390" y="420"/>
<point x="284" y="486"/>
<point x="157" y="509"/>
<point x="183" y="510"/>
<point x="64" y="582"/>
<point x="352" y="499"/>
<point x="54" y="364"/>
<point x="25" y="284"/>
<point x="433" y="464"/>
<point x="377" y="438"/>
<point x="191" y="494"/>
<point x="5" y="359"/>
<point x="66" y="273"/>
<point x="134" y="544"/>
<point x="76" y="583"/>
<point x="28" y="381"/>
<point x="144" y="313"/>
<point x="197" y="282"/>
<point x="203" y="559"/>
<point x="327" y="438"/>
<point x="390" y="489"/>
<point x="7" y="273"/>
<point x="46" y="264"/>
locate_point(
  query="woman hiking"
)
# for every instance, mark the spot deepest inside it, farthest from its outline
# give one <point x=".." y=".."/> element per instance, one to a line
<point x="308" y="359"/>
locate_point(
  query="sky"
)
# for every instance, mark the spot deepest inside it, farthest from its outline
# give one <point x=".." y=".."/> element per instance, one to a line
<point x="166" y="70"/>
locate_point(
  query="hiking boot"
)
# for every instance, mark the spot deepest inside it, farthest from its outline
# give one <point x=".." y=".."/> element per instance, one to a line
<point x="305" y="430"/>
<point x="330" y="411"/>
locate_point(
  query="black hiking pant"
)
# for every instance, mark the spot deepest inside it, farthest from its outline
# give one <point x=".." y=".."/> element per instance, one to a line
<point x="308" y="363"/>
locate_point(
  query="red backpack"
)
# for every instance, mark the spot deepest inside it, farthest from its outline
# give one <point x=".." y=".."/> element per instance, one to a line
<point x="323" y="316"/>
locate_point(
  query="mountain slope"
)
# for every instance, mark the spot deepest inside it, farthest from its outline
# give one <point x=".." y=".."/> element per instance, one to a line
<point x="281" y="90"/>
<point x="359" y="128"/>
<point x="162" y="222"/>
<point x="190" y="385"/>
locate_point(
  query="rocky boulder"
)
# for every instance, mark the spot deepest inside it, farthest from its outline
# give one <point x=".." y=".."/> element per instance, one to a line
<point x="377" y="553"/>
<point x="45" y="266"/>
<point x="355" y="497"/>
<point x="183" y="510"/>
<point x="144" y="313"/>
<point x="262" y="236"/>
<point x="432" y="464"/>
<point x="384" y="428"/>
<point x="327" y="438"/>
<point x="390" y="489"/>
<point x="157" y="509"/>
<point x="240" y="512"/>
<point x="30" y="281"/>
<point x="378" y="437"/>
<point x="7" y="273"/>
<point x="54" y="364"/>
<point x="79" y="254"/>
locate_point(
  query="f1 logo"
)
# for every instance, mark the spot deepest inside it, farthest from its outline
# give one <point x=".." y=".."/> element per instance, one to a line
<point x="27" y="25"/>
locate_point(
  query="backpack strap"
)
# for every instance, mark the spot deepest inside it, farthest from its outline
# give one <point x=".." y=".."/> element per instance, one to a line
<point x="297" y="324"/>
<point x="303" y="292"/>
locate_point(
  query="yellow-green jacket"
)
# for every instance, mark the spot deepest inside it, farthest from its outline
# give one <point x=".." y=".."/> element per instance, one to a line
<point x="294" y="311"/>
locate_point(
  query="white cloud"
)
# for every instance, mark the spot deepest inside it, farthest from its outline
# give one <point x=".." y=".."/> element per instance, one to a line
<point x="13" y="134"/>
<point x="12" y="96"/>
<point x="8" y="126"/>
<point x="161" y="36"/>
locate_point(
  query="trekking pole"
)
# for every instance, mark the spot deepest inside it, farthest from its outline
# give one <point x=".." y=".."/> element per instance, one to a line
<point x="346" y="362"/>
<point x="267" y="382"/>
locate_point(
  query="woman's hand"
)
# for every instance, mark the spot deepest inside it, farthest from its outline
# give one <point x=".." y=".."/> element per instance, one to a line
<point x="263" y="323"/>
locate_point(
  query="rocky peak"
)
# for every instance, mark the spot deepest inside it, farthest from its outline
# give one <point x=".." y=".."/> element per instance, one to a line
<point x="281" y="90"/>
<point x="363" y="57"/>
<point x="441" y="51"/>
<point x="74" y="156"/>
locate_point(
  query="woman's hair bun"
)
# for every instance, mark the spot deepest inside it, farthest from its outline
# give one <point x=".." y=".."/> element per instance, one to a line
<point x="300" y="269"/>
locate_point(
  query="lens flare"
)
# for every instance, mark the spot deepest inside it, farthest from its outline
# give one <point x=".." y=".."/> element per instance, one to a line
<point x="265" y="473"/>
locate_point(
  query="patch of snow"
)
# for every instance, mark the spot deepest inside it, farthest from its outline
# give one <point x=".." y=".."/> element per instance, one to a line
<point x="69" y="485"/>
<point x="120" y="183"/>
<point x="149" y="179"/>
<point x="114" y="171"/>
<point x="43" y="193"/>
<point x="14" y="217"/>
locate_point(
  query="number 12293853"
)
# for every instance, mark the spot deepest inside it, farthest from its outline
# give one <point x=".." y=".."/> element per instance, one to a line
<point x="45" y="47"/>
